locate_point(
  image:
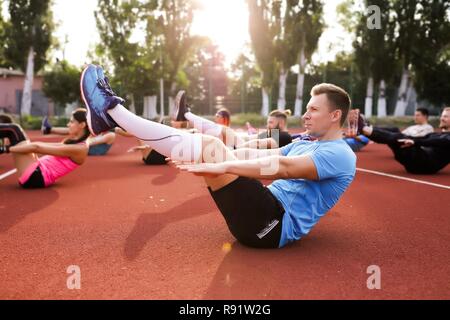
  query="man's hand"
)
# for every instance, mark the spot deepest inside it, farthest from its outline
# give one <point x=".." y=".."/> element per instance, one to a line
<point x="138" y="148"/>
<point x="406" y="143"/>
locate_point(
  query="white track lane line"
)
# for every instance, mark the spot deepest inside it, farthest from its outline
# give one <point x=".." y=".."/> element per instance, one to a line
<point x="404" y="178"/>
<point x="7" y="174"/>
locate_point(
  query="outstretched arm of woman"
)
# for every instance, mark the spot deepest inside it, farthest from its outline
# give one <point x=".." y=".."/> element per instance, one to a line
<point x="76" y="152"/>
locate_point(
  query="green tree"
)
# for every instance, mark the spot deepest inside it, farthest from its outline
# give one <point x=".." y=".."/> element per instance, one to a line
<point x="62" y="83"/>
<point x="263" y="30"/>
<point x="207" y="77"/>
<point x="431" y="54"/>
<point x="2" y="38"/>
<point x="168" y="29"/>
<point x="374" y="47"/>
<point x="246" y="82"/>
<point x="28" y="38"/>
<point x="305" y="26"/>
<point x="407" y="15"/>
<point x="132" y="62"/>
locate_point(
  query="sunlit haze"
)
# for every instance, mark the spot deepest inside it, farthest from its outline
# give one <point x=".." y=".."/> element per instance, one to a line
<point x="224" y="21"/>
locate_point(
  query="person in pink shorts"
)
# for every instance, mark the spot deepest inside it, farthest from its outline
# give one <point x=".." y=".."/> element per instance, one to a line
<point x="58" y="159"/>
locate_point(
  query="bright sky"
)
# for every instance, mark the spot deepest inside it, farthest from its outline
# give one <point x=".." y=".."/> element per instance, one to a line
<point x="224" y="21"/>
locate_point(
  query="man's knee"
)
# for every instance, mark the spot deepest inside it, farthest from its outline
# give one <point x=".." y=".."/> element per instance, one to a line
<point x="214" y="150"/>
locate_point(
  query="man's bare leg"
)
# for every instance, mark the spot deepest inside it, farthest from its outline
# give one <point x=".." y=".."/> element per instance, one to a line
<point x="225" y="154"/>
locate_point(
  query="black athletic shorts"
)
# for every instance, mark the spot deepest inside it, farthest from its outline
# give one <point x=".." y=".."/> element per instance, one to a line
<point x="154" y="157"/>
<point x="36" y="180"/>
<point x="253" y="214"/>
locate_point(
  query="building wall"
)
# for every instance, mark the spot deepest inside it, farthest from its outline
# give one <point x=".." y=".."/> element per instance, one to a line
<point x="11" y="88"/>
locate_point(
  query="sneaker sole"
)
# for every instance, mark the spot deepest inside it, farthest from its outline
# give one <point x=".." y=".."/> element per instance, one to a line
<point x="88" y="113"/>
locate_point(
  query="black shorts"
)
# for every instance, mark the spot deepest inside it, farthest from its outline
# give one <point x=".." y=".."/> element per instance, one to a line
<point x="253" y="214"/>
<point x="36" y="180"/>
<point x="154" y="157"/>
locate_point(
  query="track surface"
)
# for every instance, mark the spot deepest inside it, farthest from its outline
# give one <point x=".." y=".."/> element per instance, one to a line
<point x="142" y="232"/>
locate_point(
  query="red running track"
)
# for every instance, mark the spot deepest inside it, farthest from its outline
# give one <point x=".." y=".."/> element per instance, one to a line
<point x="142" y="232"/>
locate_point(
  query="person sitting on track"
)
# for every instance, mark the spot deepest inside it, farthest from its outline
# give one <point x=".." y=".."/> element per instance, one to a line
<point x="275" y="136"/>
<point x="4" y="118"/>
<point x="421" y="127"/>
<point x="421" y="155"/>
<point x="59" y="158"/>
<point x="98" y="146"/>
<point x="223" y="117"/>
<point x="152" y="157"/>
<point x="310" y="177"/>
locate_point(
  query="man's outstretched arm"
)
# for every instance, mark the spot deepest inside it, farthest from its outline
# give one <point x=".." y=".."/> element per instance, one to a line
<point x="442" y="140"/>
<point x="273" y="167"/>
<point x="250" y="153"/>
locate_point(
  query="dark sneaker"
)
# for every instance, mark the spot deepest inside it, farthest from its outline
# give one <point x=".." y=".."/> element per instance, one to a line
<point x="181" y="107"/>
<point x="362" y="122"/>
<point x="46" y="127"/>
<point x="98" y="98"/>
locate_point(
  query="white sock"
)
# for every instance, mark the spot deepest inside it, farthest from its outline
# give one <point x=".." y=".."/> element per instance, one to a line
<point x="204" y="125"/>
<point x="170" y="142"/>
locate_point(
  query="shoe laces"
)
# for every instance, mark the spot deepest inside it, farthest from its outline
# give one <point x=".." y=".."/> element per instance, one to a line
<point x="106" y="88"/>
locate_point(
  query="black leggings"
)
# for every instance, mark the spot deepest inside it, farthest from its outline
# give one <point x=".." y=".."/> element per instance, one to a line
<point x="13" y="132"/>
<point x="415" y="159"/>
<point x="154" y="158"/>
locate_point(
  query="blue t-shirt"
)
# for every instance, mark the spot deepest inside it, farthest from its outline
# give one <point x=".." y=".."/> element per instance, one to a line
<point x="306" y="201"/>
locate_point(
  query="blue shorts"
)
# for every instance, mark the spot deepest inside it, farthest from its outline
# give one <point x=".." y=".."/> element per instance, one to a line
<point x="99" y="149"/>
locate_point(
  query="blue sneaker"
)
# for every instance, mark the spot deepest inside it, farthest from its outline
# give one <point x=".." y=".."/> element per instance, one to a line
<point x="98" y="98"/>
<point x="46" y="127"/>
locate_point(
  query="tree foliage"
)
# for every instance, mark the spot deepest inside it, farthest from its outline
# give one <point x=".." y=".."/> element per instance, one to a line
<point x="263" y="31"/>
<point x="30" y="25"/>
<point x="430" y="55"/>
<point x="62" y="83"/>
<point x="133" y="63"/>
<point x="168" y="28"/>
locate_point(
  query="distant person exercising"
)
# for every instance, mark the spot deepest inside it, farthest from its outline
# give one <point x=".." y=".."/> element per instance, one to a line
<point x="59" y="158"/>
<point x="274" y="136"/>
<point x="422" y="155"/>
<point x="98" y="146"/>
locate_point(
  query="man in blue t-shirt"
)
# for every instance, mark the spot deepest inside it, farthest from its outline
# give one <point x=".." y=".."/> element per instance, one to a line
<point x="309" y="177"/>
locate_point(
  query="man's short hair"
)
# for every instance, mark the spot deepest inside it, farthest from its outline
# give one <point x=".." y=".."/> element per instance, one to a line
<point x="423" y="111"/>
<point x="280" y="114"/>
<point x="338" y="98"/>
